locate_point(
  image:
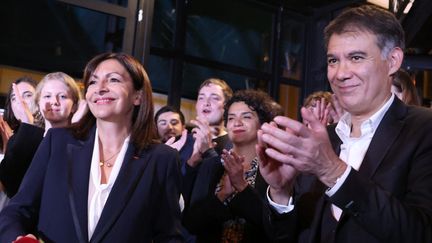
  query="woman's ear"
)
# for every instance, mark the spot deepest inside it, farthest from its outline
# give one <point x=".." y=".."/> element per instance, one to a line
<point x="138" y="98"/>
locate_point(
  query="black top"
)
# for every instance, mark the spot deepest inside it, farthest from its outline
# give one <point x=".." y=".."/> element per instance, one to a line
<point x="20" y="150"/>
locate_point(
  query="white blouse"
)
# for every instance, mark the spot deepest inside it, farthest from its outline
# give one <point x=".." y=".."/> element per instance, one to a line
<point x="98" y="193"/>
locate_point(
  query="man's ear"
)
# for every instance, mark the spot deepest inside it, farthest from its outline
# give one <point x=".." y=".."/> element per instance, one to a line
<point x="138" y="98"/>
<point x="395" y="59"/>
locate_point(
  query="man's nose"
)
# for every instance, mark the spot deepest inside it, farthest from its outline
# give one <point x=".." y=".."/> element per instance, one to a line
<point x="343" y="71"/>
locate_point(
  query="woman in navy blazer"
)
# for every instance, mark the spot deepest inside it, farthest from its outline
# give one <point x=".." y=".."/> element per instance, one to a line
<point x="104" y="179"/>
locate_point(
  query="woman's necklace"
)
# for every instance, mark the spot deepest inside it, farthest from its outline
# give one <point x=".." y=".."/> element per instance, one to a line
<point x="105" y="162"/>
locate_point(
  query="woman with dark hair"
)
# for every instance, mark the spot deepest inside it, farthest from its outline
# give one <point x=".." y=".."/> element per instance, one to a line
<point x="21" y="135"/>
<point x="226" y="201"/>
<point x="105" y="178"/>
<point x="403" y="87"/>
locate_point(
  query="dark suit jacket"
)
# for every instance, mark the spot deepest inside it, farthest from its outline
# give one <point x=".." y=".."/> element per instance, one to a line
<point x="206" y="214"/>
<point x="19" y="153"/>
<point x="52" y="200"/>
<point x="388" y="200"/>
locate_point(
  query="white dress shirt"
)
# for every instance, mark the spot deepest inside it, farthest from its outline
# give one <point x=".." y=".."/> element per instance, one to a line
<point x="98" y="193"/>
<point x="352" y="152"/>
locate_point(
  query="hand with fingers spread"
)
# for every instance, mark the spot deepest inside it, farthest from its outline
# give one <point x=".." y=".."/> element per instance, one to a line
<point x="179" y="143"/>
<point x="20" y="108"/>
<point x="233" y="164"/>
<point x="6" y="132"/>
<point x="307" y="149"/>
<point x="203" y="140"/>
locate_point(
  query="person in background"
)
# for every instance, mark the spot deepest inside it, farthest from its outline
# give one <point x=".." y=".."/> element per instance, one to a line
<point x="14" y="116"/>
<point x="105" y="178"/>
<point x="403" y="87"/>
<point x="170" y="123"/>
<point x="21" y="133"/>
<point x="367" y="178"/>
<point x="209" y="132"/>
<point x="227" y="197"/>
<point x="56" y="97"/>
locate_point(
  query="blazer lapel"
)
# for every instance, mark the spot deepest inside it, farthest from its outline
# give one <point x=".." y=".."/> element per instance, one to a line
<point x="79" y="160"/>
<point x="130" y="173"/>
<point x="384" y="137"/>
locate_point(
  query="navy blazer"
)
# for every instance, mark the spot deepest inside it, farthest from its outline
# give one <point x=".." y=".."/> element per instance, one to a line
<point x="388" y="200"/>
<point x="52" y="200"/>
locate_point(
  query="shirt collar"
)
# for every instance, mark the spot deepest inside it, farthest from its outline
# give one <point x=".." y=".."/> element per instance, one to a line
<point x="369" y="126"/>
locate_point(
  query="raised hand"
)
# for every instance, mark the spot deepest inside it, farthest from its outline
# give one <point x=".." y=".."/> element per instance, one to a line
<point x="20" y="108"/>
<point x="279" y="176"/>
<point x="81" y="110"/>
<point x="6" y="132"/>
<point x="307" y="149"/>
<point x="203" y="140"/>
<point x="233" y="164"/>
<point x="179" y="143"/>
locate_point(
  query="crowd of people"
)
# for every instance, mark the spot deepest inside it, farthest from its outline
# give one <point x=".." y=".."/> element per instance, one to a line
<point x="105" y="167"/>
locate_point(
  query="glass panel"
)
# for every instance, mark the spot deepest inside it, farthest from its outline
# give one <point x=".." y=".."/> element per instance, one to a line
<point x="289" y="99"/>
<point x="194" y="75"/>
<point x="292" y="48"/>
<point x="228" y="31"/>
<point x="159" y="69"/>
<point x="51" y="36"/>
<point x="164" y="17"/>
<point x="123" y="3"/>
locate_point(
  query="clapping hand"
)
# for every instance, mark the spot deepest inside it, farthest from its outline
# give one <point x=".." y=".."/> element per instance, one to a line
<point x="179" y="143"/>
<point x="21" y="110"/>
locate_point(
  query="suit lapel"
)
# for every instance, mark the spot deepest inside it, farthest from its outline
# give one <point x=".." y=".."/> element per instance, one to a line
<point x="79" y="160"/>
<point x="130" y="173"/>
<point x="387" y="131"/>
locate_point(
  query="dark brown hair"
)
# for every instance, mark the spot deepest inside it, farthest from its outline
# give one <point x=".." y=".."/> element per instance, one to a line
<point x="258" y="101"/>
<point x="405" y="85"/>
<point x="8" y="116"/>
<point x="372" y="19"/>
<point x="143" y="132"/>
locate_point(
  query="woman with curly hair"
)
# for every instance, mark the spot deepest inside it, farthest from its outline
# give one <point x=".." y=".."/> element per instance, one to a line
<point x="228" y="192"/>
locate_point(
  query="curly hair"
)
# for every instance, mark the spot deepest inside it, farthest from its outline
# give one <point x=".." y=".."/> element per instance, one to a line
<point x="258" y="101"/>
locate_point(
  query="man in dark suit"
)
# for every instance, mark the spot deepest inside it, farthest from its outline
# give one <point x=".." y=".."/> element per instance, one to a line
<point x="368" y="178"/>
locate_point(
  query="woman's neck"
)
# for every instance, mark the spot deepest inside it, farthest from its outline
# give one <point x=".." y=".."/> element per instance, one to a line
<point x="111" y="135"/>
<point x="247" y="150"/>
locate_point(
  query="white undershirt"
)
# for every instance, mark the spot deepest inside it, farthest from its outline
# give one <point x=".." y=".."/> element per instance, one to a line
<point x="98" y="193"/>
<point x="352" y="152"/>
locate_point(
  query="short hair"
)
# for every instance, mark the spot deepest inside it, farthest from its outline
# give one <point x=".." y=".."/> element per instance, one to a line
<point x="9" y="117"/>
<point x="258" y="101"/>
<point x="226" y="89"/>
<point x="317" y="95"/>
<point x="143" y="131"/>
<point x="168" y="108"/>
<point x="405" y="85"/>
<point x="369" y="18"/>
<point x="67" y="80"/>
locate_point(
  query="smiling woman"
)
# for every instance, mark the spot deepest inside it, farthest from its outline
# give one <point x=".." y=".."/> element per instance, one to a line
<point x="72" y="194"/>
<point x="227" y="196"/>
